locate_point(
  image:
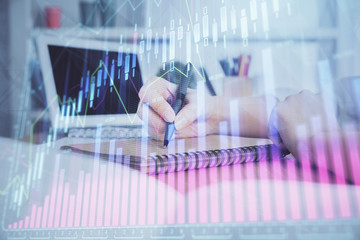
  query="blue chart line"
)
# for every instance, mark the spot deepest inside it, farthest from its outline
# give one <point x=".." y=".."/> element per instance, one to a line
<point x="17" y="178"/>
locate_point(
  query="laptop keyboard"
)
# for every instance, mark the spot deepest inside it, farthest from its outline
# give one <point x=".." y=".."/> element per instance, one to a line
<point x="108" y="132"/>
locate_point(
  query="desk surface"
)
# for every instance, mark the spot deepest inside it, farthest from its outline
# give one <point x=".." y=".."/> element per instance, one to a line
<point x="45" y="190"/>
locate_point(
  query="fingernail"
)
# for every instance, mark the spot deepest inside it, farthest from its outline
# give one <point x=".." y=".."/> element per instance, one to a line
<point x="169" y="116"/>
<point x="179" y="124"/>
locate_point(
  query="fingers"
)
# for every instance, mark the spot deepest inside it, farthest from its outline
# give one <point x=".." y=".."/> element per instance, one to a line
<point x="188" y="131"/>
<point x="155" y="93"/>
<point x="155" y="122"/>
<point x="192" y="130"/>
<point x="301" y="110"/>
<point x="186" y="116"/>
<point x="163" y="108"/>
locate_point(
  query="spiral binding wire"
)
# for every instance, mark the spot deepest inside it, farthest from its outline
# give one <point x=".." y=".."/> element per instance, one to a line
<point x="159" y="164"/>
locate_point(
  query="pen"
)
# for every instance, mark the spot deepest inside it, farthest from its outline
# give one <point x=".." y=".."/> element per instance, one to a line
<point x="178" y="103"/>
<point x="208" y="83"/>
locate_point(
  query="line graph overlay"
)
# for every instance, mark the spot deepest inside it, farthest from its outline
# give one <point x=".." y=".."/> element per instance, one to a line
<point x="82" y="119"/>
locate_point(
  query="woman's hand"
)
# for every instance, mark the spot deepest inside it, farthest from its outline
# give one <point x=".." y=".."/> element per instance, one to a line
<point x="308" y="127"/>
<point x="159" y="94"/>
<point x="295" y="119"/>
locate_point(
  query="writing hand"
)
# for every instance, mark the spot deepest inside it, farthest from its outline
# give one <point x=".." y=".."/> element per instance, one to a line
<point x="159" y="94"/>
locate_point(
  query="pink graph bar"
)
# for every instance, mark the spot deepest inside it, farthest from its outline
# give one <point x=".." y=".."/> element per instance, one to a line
<point x="214" y="193"/>
<point x="279" y="196"/>
<point x="21" y="224"/>
<point x="170" y="199"/>
<point x="352" y="150"/>
<point x="70" y="219"/>
<point x="65" y="205"/>
<point x="192" y="210"/>
<point x="15" y="225"/>
<point x="151" y="203"/>
<point x="327" y="204"/>
<point x="265" y="192"/>
<point x="59" y="199"/>
<point x="203" y="196"/>
<point x="308" y="185"/>
<point x="101" y="193"/>
<point x="343" y="196"/>
<point x="26" y="225"/>
<point x="352" y="143"/>
<point x="335" y="146"/>
<point x="109" y="195"/>
<point x="125" y="197"/>
<point x="38" y="217"/>
<point x="322" y="164"/>
<point x="226" y="195"/>
<point x="238" y="193"/>
<point x="181" y="199"/>
<point x="79" y="195"/>
<point x="338" y="163"/>
<point x="142" y="197"/>
<point x="251" y="193"/>
<point x="160" y="200"/>
<point x="10" y="226"/>
<point x="45" y="211"/>
<point x="32" y="216"/>
<point x="53" y="198"/>
<point x="85" y="210"/>
<point x="133" y="197"/>
<point x="117" y="189"/>
<point x="293" y="190"/>
<point x="94" y="191"/>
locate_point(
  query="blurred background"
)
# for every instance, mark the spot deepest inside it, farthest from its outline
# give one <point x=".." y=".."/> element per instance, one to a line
<point x="289" y="47"/>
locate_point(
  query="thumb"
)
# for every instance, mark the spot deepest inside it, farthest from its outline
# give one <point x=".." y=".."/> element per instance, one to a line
<point x="186" y="116"/>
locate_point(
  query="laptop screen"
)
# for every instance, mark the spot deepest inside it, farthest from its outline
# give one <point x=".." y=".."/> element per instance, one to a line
<point x="95" y="82"/>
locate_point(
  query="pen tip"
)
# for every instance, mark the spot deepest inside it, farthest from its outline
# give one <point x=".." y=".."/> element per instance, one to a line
<point x="166" y="143"/>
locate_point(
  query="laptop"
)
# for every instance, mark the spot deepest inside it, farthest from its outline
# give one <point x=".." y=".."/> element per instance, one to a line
<point x="91" y="84"/>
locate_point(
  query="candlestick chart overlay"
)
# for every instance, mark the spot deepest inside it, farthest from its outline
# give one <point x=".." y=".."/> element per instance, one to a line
<point x="48" y="191"/>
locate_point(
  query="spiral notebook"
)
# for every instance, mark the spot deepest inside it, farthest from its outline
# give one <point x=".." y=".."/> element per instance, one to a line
<point x="181" y="155"/>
